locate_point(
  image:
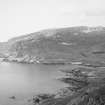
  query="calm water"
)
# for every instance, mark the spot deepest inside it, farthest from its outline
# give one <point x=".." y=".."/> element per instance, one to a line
<point x="26" y="80"/>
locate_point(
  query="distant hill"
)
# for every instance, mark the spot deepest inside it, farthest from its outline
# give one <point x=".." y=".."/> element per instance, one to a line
<point x="62" y="45"/>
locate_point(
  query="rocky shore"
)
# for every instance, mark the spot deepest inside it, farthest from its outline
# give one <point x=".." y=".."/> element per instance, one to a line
<point x="37" y="60"/>
<point x="86" y="87"/>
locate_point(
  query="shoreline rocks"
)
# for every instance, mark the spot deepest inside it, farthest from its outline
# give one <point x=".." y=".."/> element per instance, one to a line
<point x="84" y="89"/>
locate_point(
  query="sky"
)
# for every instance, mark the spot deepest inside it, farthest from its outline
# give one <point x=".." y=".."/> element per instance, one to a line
<point x="20" y="17"/>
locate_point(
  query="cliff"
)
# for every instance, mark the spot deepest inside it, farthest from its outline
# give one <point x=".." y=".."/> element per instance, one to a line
<point x="58" y="45"/>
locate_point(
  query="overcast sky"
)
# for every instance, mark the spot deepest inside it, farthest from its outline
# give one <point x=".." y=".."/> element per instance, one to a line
<point x="19" y="17"/>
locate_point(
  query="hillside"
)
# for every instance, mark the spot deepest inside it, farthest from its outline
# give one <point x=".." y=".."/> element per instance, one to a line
<point x="58" y="45"/>
<point x="80" y="46"/>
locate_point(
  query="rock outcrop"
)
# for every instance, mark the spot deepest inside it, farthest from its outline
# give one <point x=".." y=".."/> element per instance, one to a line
<point x="87" y="87"/>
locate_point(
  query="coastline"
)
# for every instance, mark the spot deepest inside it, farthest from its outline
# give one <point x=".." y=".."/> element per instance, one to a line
<point x="85" y="83"/>
<point x="85" y="86"/>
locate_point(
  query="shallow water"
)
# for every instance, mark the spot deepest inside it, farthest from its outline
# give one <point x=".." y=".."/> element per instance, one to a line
<point x="26" y="80"/>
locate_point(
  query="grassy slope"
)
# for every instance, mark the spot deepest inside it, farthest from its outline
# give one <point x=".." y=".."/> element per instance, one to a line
<point x="50" y="44"/>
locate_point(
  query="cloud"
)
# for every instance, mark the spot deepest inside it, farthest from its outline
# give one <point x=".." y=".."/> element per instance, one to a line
<point x="26" y="16"/>
<point x="96" y="13"/>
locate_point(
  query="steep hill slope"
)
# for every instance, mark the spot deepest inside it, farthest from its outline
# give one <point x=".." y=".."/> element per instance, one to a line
<point x="59" y="45"/>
